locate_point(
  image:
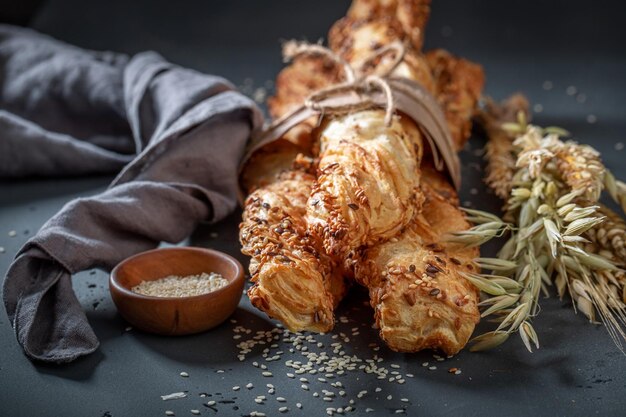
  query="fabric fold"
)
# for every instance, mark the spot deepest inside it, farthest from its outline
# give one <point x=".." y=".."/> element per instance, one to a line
<point x="186" y="133"/>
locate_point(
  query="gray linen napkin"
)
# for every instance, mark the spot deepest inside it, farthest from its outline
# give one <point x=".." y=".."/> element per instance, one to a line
<point x="178" y="134"/>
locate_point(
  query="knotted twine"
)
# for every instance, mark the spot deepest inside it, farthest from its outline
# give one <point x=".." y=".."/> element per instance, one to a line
<point x="361" y="91"/>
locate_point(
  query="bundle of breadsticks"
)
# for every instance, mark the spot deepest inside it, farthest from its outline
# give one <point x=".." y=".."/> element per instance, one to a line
<point x="358" y="196"/>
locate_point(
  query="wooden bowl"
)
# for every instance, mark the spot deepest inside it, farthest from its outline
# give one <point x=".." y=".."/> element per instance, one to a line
<point x="176" y="315"/>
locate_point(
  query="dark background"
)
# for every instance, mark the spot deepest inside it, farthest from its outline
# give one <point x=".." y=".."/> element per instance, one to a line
<point x="521" y="44"/>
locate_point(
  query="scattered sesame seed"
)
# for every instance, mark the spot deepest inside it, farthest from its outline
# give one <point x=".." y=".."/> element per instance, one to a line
<point x="2" y="250"/>
<point x="400" y="411"/>
<point x="389" y="397"/>
<point x="619" y="146"/>
<point x="369" y="410"/>
<point x="12" y="233"/>
<point x="249" y="385"/>
<point x="196" y="412"/>
<point x="425" y="364"/>
<point x="174" y="396"/>
<point x="432" y="368"/>
<point x="329" y="364"/>
<point x="169" y="413"/>
<point x="457" y="372"/>
<point x="538" y="108"/>
<point x="219" y="371"/>
<point x="283" y="409"/>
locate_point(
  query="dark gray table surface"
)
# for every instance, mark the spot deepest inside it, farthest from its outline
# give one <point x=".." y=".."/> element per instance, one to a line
<point x="521" y="44"/>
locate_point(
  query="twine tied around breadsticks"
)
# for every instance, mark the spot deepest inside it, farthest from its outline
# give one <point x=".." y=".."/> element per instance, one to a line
<point x="363" y="85"/>
<point x="360" y="91"/>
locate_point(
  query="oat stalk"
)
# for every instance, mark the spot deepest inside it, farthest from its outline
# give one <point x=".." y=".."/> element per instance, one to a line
<point x="559" y="235"/>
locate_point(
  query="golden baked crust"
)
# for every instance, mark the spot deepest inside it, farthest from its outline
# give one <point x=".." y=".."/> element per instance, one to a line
<point x="293" y="84"/>
<point x="408" y="316"/>
<point x="293" y="279"/>
<point x="350" y="196"/>
<point x="355" y="40"/>
<point x="265" y="165"/>
<point x="459" y="84"/>
<point x="419" y="298"/>
<point x="410" y="16"/>
<point x="367" y="180"/>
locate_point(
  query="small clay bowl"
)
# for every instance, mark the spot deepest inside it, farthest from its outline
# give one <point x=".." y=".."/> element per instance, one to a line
<point x="176" y="315"/>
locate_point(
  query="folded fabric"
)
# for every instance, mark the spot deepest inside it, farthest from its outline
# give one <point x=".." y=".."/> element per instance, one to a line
<point x="177" y="135"/>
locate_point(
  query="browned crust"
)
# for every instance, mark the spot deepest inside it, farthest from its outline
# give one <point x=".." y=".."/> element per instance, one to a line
<point x="293" y="279"/>
<point x="409" y="16"/>
<point x="440" y="311"/>
<point x="459" y="85"/>
<point x="420" y="299"/>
